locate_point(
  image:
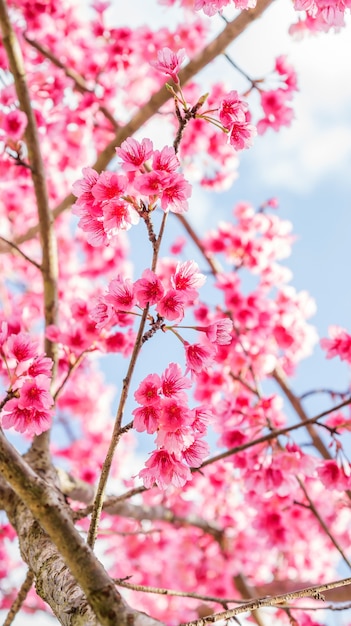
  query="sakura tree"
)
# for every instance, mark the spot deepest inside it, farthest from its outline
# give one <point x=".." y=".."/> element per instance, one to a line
<point x="184" y="492"/>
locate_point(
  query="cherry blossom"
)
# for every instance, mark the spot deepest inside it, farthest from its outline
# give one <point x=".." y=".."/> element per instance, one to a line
<point x="169" y="62"/>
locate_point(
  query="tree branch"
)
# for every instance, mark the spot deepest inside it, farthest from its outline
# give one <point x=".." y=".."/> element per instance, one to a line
<point x="49" y="508"/>
<point x="313" y="592"/>
<point x="79" y="81"/>
<point x="22" y="594"/>
<point x="12" y="245"/>
<point x="296" y="403"/>
<point x="49" y="265"/>
<point x="322" y="523"/>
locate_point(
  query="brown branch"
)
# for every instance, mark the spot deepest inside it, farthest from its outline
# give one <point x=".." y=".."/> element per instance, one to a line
<point x="231" y="32"/>
<point x="20" y="598"/>
<point x="12" y="245"/>
<point x="48" y="507"/>
<point x="296" y="403"/>
<point x="213" y="264"/>
<point x="223" y="601"/>
<point x="49" y="264"/>
<point x="322" y="523"/>
<point x="47" y="236"/>
<point x="116" y="434"/>
<point x="272" y="435"/>
<point x="78" y="79"/>
<point x="313" y="592"/>
<point x="120" y="582"/>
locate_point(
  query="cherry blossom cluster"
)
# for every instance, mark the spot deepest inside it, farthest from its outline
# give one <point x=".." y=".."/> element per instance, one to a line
<point x="211" y="7"/>
<point x="170" y="299"/>
<point x="233" y="110"/>
<point x="28" y="407"/>
<point x="180" y="430"/>
<point x="339" y="344"/>
<point x="233" y="113"/>
<point x="108" y="202"/>
<point x="320" y="15"/>
<point x="275" y="102"/>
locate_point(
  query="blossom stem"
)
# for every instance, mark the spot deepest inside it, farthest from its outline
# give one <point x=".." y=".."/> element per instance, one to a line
<point x="117" y="431"/>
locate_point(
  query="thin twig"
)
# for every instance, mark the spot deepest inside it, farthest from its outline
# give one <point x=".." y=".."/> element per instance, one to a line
<point x="330" y="392"/>
<point x="120" y="582"/>
<point x="322" y="523"/>
<point x="22" y="254"/>
<point x="314" y="592"/>
<point x="20" y="598"/>
<point x="71" y="369"/>
<point x="272" y="435"/>
<point x="116" y="434"/>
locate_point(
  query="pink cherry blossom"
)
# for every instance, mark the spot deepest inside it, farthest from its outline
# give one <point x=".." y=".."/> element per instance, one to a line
<point x="198" y="357"/>
<point x="121" y="294"/>
<point x="169" y="62"/>
<point x="146" y="418"/>
<point x="188" y="279"/>
<point x="172" y="380"/>
<point x="171" y="305"/>
<point x="219" y="332"/>
<point x="148" y="390"/>
<point x="196" y="453"/>
<point x="13" y="124"/>
<point x="83" y="190"/>
<point x="242" y="135"/>
<point x="333" y="476"/>
<point x="25" y="420"/>
<point x="21" y="347"/>
<point x="175" y="193"/>
<point x="118" y="215"/>
<point x="34" y="393"/>
<point x="339" y="344"/>
<point x="232" y="109"/>
<point x="148" y="289"/>
<point x="165" y="160"/>
<point x="134" y="154"/>
<point x="164" y="469"/>
<point x="109" y="186"/>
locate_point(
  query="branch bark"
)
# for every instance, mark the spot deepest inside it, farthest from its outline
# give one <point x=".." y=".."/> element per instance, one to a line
<point x="49" y="266"/>
<point x="46" y="505"/>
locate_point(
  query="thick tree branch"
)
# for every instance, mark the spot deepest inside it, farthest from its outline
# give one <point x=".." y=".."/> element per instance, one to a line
<point x="48" y="507"/>
<point x="49" y="266"/>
